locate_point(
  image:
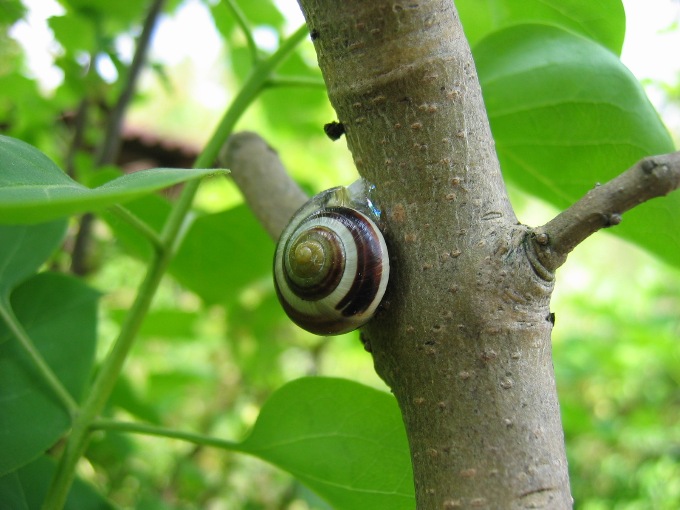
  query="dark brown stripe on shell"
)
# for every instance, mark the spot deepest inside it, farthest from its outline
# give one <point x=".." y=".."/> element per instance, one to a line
<point x="319" y="325"/>
<point x="366" y="282"/>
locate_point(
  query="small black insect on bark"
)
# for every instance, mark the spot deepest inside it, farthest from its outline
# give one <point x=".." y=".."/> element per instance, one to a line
<point x="551" y="318"/>
<point x="334" y="130"/>
<point x="314" y="34"/>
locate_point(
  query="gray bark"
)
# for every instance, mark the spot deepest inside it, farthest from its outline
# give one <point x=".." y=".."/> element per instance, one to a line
<point x="463" y="338"/>
<point x="463" y="334"/>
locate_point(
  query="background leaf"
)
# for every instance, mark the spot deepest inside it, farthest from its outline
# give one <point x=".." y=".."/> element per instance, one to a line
<point x="566" y="114"/>
<point x="221" y="253"/>
<point x="603" y="21"/>
<point x="25" y="489"/>
<point x="344" y="440"/>
<point x="60" y="315"/>
<point x="33" y="188"/>
<point x="25" y="249"/>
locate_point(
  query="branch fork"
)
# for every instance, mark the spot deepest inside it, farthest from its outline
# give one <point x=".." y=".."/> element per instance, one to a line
<point x="602" y="207"/>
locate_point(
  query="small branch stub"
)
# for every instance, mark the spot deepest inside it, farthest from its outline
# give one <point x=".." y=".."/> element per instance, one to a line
<point x="603" y="207"/>
<point x="258" y="172"/>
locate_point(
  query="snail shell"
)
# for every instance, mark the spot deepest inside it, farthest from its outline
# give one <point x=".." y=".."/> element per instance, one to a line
<point x="331" y="266"/>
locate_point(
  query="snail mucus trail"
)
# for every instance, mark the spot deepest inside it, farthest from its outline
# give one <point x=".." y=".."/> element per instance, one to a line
<point x="331" y="265"/>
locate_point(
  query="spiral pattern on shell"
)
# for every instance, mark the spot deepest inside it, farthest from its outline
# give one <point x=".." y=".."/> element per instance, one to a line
<point x="331" y="266"/>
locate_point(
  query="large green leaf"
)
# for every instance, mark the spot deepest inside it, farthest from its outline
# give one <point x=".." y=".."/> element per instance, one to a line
<point x="262" y="13"/>
<point x="59" y="313"/>
<point x="26" y="488"/>
<point x="153" y="210"/>
<point x="222" y="253"/>
<point x="74" y="32"/>
<point x="603" y="21"/>
<point x="122" y="10"/>
<point x="24" y="249"/>
<point x="344" y="440"/>
<point x="566" y="114"/>
<point x="34" y="189"/>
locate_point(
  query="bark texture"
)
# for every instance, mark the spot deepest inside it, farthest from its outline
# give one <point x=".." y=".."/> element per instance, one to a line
<point x="258" y="172"/>
<point x="463" y="337"/>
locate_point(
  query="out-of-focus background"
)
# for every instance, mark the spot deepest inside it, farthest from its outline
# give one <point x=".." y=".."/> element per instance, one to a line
<point x="209" y="368"/>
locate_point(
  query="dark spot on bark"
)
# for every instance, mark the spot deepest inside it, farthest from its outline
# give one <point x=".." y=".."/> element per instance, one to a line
<point x="648" y="165"/>
<point x="334" y="130"/>
<point x="551" y="318"/>
<point x="314" y="34"/>
<point x="541" y="238"/>
<point x="613" y="219"/>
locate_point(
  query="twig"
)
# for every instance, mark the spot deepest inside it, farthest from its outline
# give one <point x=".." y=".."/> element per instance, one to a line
<point x="296" y="81"/>
<point x="242" y="22"/>
<point x="109" y="149"/>
<point x="80" y="123"/>
<point x="152" y="430"/>
<point x="268" y="189"/>
<point x="8" y="317"/>
<point x="603" y="206"/>
<point x="149" y="233"/>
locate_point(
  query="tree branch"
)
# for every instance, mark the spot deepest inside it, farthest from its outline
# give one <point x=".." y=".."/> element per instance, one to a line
<point x="268" y="189"/>
<point x="463" y="334"/>
<point x="111" y="146"/>
<point x="603" y="206"/>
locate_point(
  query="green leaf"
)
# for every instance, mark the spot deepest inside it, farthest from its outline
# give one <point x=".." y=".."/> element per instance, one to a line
<point x="603" y="21"/>
<point x="26" y="488"/>
<point x="258" y="14"/>
<point x="168" y="324"/>
<point x="34" y="189"/>
<point x="25" y="249"/>
<point x="222" y="253"/>
<point x="59" y="313"/>
<point x="122" y="10"/>
<point x="344" y="440"/>
<point x="74" y="32"/>
<point x="12" y="496"/>
<point x="299" y="109"/>
<point x="153" y="210"/>
<point x="11" y="11"/>
<point x="566" y="114"/>
<point x="125" y="396"/>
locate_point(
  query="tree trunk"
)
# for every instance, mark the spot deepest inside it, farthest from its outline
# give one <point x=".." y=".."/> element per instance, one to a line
<point x="463" y="336"/>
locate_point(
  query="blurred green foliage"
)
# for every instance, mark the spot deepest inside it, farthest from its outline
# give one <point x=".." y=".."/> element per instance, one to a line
<point x="216" y="344"/>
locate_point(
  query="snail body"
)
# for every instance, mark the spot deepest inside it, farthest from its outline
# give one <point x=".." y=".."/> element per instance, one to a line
<point x="331" y="265"/>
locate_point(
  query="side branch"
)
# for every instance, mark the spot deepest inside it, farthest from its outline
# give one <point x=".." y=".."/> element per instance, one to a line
<point x="603" y="206"/>
<point x="258" y="172"/>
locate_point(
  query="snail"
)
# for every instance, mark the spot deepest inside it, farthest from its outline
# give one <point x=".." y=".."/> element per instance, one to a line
<point x="331" y="266"/>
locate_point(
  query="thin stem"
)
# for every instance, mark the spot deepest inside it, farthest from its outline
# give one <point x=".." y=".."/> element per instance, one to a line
<point x="251" y="88"/>
<point x="151" y="430"/>
<point x="39" y="362"/>
<point x="113" y="363"/>
<point x="242" y="22"/>
<point x="150" y="234"/>
<point x="296" y="81"/>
